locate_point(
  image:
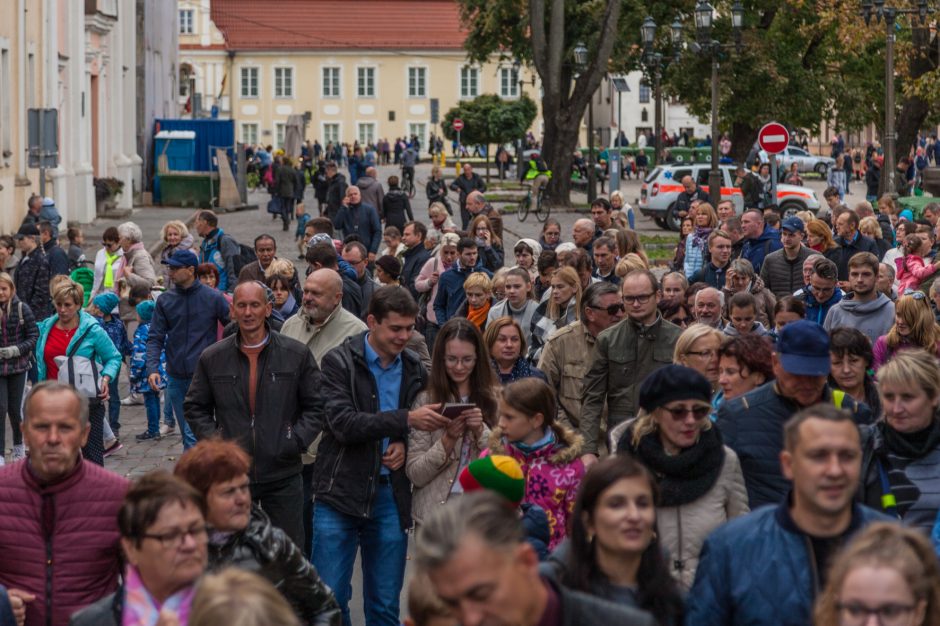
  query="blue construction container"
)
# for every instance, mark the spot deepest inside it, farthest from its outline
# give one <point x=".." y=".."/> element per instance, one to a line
<point x="209" y="135"/>
<point x="179" y="148"/>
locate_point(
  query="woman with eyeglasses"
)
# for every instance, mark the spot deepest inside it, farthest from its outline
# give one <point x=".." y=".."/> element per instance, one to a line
<point x="489" y="245"/>
<point x="551" y="234"/>
<point x="901" y="453"/>
<point x="242" y="535"/>
<point x="697" y="348"/>
<point x="700" y="480"/>
<point x="164" y="538"/>
<point x="676" y="313"/>
<point x="914" y="327"/>
<point x="109" y="263"/>
<point x="506" y="344"/>
<point x="889" y="573"/>
<point x="460" y="373"/>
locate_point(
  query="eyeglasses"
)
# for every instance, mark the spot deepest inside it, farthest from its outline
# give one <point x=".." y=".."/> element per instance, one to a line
<point x="174" y="538"/>
<point x="887" y="614"/>
<point x="643" y="299"/>
<point x="108" y="244"/>
<point x="613" y="309"/>
<point x="679" y="412"/>
<point x="704" y="354"/>
<point x="917" y="295"/>
<point x="453" y="361"/>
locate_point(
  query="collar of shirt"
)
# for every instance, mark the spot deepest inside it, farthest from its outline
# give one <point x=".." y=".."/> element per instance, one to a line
<point x="375" y="361"/>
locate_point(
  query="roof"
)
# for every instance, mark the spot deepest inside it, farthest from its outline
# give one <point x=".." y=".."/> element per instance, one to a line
<point x="339" y="24"/>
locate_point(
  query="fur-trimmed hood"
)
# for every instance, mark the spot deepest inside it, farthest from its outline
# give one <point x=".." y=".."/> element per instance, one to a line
<point x="566" y="448"/>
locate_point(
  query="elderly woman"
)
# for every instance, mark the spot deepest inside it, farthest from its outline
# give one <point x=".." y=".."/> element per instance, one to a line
<point x="428" y="279"/>
<point x="109" y="263"/>
<point x="242" y="535"/>
<point x="900" y="453"/>
<point x="506" y="344"/>
<point x="851" y="355"/>
<point x="71" y="331"/>
<point x="700" y="478"/>
<point x="175" y="236"/>
<point x="741" y="277"/>
<point x="164" y="537"/>
<point x="870" y="227"/>
<point x="460" y="373"/>
<point x="138" y="275"/>
<point x="744" y="363"/>
<point x="441" y="223"/>
<point x="697" y="348"/>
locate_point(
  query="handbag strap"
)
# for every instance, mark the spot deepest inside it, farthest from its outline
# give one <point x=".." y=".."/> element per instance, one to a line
<point x="71" y="351"/>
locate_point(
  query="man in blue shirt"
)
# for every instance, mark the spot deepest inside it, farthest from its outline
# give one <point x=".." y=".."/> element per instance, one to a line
<point x="363" y="497"/>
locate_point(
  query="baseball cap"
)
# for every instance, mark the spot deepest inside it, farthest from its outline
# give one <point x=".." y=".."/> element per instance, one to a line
<point x="182" y="258"/>
<point x="27" y="230"/>
<point x="793" y="224"/>
<point x="803" y="349"/>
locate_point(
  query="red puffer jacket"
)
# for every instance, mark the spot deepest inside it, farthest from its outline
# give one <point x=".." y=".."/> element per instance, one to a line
<point x="60" y="541"/>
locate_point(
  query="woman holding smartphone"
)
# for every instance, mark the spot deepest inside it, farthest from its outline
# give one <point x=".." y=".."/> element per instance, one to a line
<point x="460" y="374"/>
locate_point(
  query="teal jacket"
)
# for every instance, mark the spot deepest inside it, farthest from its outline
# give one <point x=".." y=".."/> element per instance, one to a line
<point x="96" y="345"/>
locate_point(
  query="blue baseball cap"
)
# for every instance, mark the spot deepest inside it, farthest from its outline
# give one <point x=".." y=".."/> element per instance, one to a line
<point x="793" y="224"/>
<point x="803" y="349"/>
<point x="182" y="258"/>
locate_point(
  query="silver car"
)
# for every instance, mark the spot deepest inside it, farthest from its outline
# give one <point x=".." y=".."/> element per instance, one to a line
<point x="805" y="161"/>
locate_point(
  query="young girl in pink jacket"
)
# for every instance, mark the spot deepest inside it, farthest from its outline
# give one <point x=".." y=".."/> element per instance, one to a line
<point x="912" y="268"/>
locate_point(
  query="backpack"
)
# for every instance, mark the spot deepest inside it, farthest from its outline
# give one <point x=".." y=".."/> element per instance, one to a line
<point x="246" y="256"/>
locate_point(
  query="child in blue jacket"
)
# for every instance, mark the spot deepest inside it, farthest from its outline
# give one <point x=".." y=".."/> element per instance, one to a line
<point x="138" y="374"/>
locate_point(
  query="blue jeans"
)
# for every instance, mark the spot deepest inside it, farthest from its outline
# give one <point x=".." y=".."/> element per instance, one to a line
<point x="152" y="404"/>
<point x="176" y="389"/>
<point x="337" y="536"/>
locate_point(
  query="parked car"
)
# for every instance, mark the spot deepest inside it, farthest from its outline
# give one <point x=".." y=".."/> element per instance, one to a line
<point x="662" y="187"/>
<point x="805" y="161"/>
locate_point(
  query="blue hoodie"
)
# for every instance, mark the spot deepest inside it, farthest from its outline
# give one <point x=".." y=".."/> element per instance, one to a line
<point x="755" y="250"/>
<point x="817" y="311"/>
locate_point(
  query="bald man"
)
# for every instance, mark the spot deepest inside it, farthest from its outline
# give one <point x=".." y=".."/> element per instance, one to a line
<point x="274" y="421"/>
<point x="322" y="323"/>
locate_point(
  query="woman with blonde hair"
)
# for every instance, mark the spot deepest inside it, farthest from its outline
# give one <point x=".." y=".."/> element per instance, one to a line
<point x="440" y="222"/>
<point x="175" y="236"/>
<point x="506" y="343"/>
<point x="18" y="335"/>
<point x="427" y="282"/>
<point x="696" y="244"/>
<point x="559" y="310"/>
<point x="870" y="227"/>
<point x="629" y="263"/>
<point x="622" y="212"/>
<point x="236" y="597"/>
<point x="700" y="479"/>
<point x="887" y="572"/>
<point x="697" y="348"/>
<point x="914" y="327"/>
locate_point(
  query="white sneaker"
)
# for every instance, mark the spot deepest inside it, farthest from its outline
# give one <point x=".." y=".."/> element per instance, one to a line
<point x="133" y="399"/>
<point x="19" y="452"/>
<point x="166" y="429"/>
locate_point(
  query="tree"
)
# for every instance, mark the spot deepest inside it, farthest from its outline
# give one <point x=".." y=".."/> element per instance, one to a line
<point x="488" y="119"/>
<point x="545" y="33"/>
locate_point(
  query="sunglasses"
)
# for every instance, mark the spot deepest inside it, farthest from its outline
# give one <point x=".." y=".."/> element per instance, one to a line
<point x="917" y="295"/>
<point x="613" y="309"/>
<point x="678" y="413"/>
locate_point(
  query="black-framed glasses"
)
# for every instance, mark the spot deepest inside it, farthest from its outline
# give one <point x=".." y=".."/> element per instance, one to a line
<point x="889" y="614"/>
<point x="641" y="299"/>
<point x="613" y="309"/>
<point x="174" y="538"/>
<point x="679" y="412"/>
<point x="706" y="354"/>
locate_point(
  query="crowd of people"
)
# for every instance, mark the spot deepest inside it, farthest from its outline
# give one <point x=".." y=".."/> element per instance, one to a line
<point x="751" y="438"/>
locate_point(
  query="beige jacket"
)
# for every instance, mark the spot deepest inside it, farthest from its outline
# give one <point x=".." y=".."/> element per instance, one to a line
<point x="323" y="338"/>
<point x="683" y="529"/>
<point x="431" y="470"/>
<point x="135" y="285"/>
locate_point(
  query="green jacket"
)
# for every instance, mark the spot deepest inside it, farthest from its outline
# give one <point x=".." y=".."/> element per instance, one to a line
<point x="96" y="345"/>
<point x="623" y="356"/>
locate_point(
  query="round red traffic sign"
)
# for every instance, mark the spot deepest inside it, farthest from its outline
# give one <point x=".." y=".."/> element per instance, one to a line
<point x="458" y="125"/>
<point x="773" y="138"/>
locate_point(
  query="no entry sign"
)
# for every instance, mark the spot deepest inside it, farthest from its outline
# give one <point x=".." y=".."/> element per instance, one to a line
<point x="458" y="125"/>
<point x="773" y="138"/>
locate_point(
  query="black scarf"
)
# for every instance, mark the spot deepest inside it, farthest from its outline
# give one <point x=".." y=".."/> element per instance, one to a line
<point x="914" y="445"/>
<point x="687" y="476"/>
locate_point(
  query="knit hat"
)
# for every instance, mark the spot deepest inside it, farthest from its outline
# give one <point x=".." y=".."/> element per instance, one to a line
<point x="105" y="301"/>
<point x="498" y="473"/>
<point x="673" y="382"/>
<point x="390" y="265"/>
<point x="145" y="310"/>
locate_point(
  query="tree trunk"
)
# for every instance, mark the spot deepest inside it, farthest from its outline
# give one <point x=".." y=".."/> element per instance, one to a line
<point x="486" y="155"/>
<point x="558" y="149"/>
<point x="743" y="136"/>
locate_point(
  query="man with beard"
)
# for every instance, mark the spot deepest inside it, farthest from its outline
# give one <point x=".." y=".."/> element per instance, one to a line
<point x="864" y="307"/>
<point x="709" y="303"/>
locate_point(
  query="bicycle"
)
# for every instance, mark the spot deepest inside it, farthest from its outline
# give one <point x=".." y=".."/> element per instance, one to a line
<point x="542" y="210"/>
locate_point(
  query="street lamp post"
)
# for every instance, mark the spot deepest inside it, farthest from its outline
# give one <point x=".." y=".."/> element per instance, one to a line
<point x="707" y="45"/>
<point x="517" y="68"/>
<point x="889" y="14"/>
<point x="654" y="62"/>
<point x="581" y="63"/>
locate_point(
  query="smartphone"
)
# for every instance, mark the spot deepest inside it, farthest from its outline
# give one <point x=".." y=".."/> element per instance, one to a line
<point x="453" y="411"/>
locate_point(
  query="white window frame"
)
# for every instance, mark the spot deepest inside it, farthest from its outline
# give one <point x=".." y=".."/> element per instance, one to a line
<point x="472" y="79"/>
<point x="364" y="71"/>
<point x="420" y="70"/>
<point x="644" y="92"/>
<point x="327" y="139"/>
<point x="285" y="93"/>
<point x="423" y="136"/>
<point x="242" y="82"/>
<point x="280" y="134"/>
<point x="243" y="133"/>
<point x="513" y="84"/>
<point x="6" y="102"/>
<point x="364" y="141"/>
<point x="189" y="22"/>
<point x="324" y="81"/>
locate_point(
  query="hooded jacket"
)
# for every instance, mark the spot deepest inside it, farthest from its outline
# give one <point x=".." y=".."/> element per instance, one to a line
<point x="817" y="311"/>
<point x="873" y="318"/>
<point x="755" y="250"/>
<point x="372" y="191"/>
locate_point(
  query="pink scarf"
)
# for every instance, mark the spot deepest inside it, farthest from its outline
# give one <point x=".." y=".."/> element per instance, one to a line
<point x="141" y="609"/>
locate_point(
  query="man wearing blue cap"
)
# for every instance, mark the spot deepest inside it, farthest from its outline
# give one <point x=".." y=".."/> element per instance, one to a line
<point x="752" y="424"/>
<point x="185" y="322"/>
<point x="782" y="271"/>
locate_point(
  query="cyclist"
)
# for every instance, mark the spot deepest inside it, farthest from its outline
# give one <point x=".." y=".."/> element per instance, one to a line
<point x="409" y="159"/>
<point x="538" y="173"/>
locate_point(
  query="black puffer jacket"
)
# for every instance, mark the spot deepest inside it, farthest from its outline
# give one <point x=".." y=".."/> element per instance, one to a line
<point x="265" y="550"/>
<point x="350" y="453"/>
<point x="396" y="209"/>
<point x="288" y="403"/>
<point x="32" y="283"/>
